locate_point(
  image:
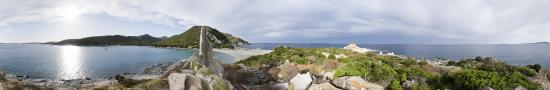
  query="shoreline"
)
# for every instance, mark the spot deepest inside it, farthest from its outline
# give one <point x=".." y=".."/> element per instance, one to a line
<point x="150" y="72"/>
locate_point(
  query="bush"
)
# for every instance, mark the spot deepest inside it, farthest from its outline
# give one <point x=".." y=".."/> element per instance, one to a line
<point x="535" y="67"/>
<point x="367" y="69"/>
<point x="450" y="63"/>
<point x="423" y="63"/>
<point x="396" y="85"/>
<point x="478" y="59"/>
<point x="477" y="79"/>
<point x="331" y="56"/>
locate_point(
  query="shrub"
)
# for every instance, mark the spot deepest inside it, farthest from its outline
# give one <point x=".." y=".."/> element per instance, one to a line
<point x="450" y="63"/>
<point x="478" y="59"/>
<point x="331" y="56"/>
<point x="535" y="67"/>
<point x="477" y="79"/>
<point x="423" y="63"/>
<point x="396" y="85"/>
<point x="367" y="69"/>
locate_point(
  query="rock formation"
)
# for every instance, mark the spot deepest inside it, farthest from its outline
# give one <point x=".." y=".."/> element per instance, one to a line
<point x="355" y="48"/>
<point x="355" y="83"/>
<point x="201" y="72"/>
<point x="205" y="54"/>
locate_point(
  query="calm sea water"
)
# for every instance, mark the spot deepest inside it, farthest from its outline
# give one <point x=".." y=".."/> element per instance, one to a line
<point x="518" y="54"/>
<point x="71" y="62"/>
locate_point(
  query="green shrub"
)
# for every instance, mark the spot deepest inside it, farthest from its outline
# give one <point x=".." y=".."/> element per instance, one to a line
<point x="396" y="85"/>
<point x="477" y="79"/>
<point x="535" y="67"/>
<point x="372" y="71"/>
<point x="331" y="56"/>
<point x="423" y="63"/>
<point x="450" y="63"/>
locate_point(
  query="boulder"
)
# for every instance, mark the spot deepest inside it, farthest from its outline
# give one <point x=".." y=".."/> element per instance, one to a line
<point x="301" y="81"/>
<point x="322" y="86"/>
<point x="177" y="81"/>
<point x="520" y="88"/>
<point x="487" y="88"/>
<point x="353" y="47"/>
<point x="409" y="84"/>
<point x="286" y="72"/>
<point x="328" y="75"/>
<point x="193" y="83"/>
<point x="355" y="83"/>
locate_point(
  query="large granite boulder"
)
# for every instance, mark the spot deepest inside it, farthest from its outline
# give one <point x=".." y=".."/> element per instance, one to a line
<point x="520" y="88"/>
<point x="284" y="72"/>
<point x="355" y="83"/>
<point x="197" y="78"/>
<point x="301" y="81"/>
<point x="177" y="81"/>
<point x="322" y="86"/>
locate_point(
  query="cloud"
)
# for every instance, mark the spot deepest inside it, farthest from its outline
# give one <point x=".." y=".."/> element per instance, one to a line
<point x="363" y="21"/>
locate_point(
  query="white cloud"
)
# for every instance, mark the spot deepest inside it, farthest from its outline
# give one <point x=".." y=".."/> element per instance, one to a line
<point x="464" y="21"/>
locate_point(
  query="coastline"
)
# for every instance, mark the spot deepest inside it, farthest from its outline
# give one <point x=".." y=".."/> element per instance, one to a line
<point x="151" y="72"/>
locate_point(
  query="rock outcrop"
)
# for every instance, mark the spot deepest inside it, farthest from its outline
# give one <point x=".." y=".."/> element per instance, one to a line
<point x="205" y="54"/>
<point x="201" y="72"/>
<point x="355" y="48"/>
<point x="322" y="86"/>
<point x="355" y="83"/>
<point x="301" y="81"/>
<point x="197" y="78"/>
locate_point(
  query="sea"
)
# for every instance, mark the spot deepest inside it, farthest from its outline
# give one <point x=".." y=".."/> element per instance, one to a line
<point x="57" y="62"/>
<point x="43" y="61"/>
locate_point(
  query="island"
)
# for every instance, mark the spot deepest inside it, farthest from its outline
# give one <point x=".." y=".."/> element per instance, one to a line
<point x="538" y="43"/>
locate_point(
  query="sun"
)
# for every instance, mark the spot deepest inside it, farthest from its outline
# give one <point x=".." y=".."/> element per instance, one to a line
<point x="68" y="13"/>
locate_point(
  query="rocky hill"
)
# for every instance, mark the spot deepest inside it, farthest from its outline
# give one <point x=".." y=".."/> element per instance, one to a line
<point x="111" y="40"/>
<point x="190" y="39"/>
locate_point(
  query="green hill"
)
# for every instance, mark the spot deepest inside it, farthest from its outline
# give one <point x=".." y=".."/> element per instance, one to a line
<point x="141" y="40"/>
<point x="190" y="39"/>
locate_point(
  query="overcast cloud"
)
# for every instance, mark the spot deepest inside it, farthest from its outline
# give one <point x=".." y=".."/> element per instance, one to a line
<point x="288" y="21"/>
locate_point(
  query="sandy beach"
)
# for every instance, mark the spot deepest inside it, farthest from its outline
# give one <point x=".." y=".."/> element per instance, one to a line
<point x="242" y="53"/>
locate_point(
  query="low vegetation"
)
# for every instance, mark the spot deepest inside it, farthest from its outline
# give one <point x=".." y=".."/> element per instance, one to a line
<point x="190" y="39"/>
<point x="394" y="71"/>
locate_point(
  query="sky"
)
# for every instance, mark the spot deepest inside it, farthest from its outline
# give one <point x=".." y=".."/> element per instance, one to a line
<point x="284" y="21"/>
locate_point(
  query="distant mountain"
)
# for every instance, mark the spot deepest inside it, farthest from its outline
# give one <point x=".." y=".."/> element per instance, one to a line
<point x="538" y="43"/>
<point x="141" y="40"/>
<point x="190" y="39"/>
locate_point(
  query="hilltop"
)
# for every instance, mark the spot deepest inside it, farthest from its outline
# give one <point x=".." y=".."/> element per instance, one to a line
<point x="141" y="40"/>
<point x="190" y="39"/>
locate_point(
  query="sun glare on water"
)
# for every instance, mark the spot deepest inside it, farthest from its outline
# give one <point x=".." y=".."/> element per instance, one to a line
<point x="70" y="65"/>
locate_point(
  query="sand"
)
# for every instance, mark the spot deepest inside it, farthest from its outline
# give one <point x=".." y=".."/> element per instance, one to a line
<point x="242" y="53"/>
